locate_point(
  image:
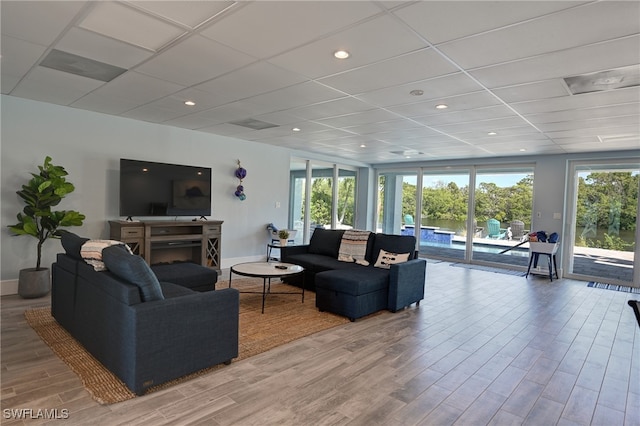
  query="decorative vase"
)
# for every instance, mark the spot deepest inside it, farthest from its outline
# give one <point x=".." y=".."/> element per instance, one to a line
<point x="34" y="282"/>
<point x="283" y="242"/>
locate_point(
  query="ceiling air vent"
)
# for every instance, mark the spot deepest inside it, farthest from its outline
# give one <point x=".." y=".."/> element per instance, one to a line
<point x="78" y="65"/>
<point x="254" y="124"/>
<point x="408" y="153"/>
<point x="604" y="80"/>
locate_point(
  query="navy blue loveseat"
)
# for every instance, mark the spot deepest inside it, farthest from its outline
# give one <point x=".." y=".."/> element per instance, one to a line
<point x="354" y="290"/>
<point x="145" y="334"/>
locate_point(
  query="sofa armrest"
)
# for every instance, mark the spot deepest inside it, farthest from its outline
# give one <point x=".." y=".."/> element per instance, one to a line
<point x="406" y="283"/>
<point x="287" y="251"/>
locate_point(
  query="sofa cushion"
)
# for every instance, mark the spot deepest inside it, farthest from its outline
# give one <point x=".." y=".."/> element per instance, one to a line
<point x="170" y="290"/>
<point x="319" y="263"/>
<point x="326" y="242"/>
<point x="186" y="274"/>
<point x="134" y="269"/>
<point x="393" y="244"/>
<point x="72" y="244"/>
<point x="386" y="259"/>
<point x="354" y="281"/>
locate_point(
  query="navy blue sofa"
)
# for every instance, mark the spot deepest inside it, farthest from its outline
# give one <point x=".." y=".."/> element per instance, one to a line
<point x="144" y="337"/>
<point x="354" y="290"/>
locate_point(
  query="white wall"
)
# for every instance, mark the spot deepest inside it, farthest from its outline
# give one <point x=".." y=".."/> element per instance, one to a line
<point x="89" y="145"/>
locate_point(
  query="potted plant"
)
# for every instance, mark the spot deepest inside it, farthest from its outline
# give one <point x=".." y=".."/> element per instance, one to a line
<point x="283" y="234"/>
<point x="44" y="191"/>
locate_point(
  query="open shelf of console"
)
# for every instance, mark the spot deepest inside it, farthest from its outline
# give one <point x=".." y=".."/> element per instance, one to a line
<point x="172" y="241"/>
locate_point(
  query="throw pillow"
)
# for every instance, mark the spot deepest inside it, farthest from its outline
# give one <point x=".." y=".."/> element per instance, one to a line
<point x="91" y="252"/>
<point x="386" y="259"/>
<point x="353" y="246"/>
<point x="134" y="269"/>
<point x="72" y="244"/>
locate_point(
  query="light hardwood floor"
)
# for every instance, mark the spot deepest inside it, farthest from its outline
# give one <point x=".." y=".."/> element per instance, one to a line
<point x="482" y="348"/>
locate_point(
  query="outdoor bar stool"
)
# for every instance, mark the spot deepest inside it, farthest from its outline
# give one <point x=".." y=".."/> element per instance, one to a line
<point x="548" y="249"/>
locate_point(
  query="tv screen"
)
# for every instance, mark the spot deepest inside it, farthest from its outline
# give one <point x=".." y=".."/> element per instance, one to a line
<point x="160" y="189"/>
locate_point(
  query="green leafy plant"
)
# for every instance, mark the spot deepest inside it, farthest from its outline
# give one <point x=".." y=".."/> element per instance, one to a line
<point x="44" y="191"/>
<point x="283" y="234"/>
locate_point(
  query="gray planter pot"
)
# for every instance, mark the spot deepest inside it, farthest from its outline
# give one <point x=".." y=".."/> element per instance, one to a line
<point x="34" y="282"/>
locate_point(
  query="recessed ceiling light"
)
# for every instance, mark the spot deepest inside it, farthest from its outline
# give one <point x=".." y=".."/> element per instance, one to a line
<point x="416" y="92"/>
<point x="189" y="103"/>
<point x="522" y="150"/>
<point x="296" y="129"/>
<point x="492" y="133"/>
<point x="341" y="54"/>
<point x="442" y="106"/>
<point x="363" y="145"/>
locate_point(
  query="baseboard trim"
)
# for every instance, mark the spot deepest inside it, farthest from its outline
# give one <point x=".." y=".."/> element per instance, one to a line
<point x="8" y="287"/>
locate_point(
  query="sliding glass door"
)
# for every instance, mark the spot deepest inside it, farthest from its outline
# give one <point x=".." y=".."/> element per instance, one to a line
<point x="605" y="222"/>
<point x="503" y="212"/>
<point x="445" y="203"/>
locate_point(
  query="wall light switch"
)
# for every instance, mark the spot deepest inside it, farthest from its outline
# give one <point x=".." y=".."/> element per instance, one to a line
<point x="557" y="216"/>
<point x="538" y="215"/>
<point x="277" y="204"/>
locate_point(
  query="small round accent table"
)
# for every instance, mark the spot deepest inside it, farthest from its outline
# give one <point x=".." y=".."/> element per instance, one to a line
<point x="267" y="271"/>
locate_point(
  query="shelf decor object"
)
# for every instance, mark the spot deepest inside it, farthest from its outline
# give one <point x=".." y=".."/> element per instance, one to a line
<point x="240" y="173"/>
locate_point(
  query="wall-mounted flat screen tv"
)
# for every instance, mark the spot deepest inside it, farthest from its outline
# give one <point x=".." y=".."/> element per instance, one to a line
<point x="161" y="189"/>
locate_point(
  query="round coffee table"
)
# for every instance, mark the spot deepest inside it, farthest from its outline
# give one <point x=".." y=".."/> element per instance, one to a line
<point x="267" y="271"/>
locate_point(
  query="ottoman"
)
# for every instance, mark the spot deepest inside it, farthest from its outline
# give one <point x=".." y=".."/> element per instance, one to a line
<point x="353" y="292"/>
<point x="190" y="275"/>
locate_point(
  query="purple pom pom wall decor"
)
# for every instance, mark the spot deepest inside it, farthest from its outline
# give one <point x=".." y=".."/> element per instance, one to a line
<point x="240" y="173"/>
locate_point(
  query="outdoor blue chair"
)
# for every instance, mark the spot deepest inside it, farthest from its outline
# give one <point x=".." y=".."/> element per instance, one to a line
<point x="408" y="219"/>
<point x="493" y="230"/>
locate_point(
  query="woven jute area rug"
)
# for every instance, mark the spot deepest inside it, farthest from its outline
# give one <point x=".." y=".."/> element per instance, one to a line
<point x="285" y="319"/>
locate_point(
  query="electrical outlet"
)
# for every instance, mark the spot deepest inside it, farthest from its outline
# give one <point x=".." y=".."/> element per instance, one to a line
<point x="538" y="215"/>
<point x="557" y="216"/>
<point x="277" y="204"/>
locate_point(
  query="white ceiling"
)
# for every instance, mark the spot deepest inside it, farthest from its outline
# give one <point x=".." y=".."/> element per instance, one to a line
<point x="498" y="65"/>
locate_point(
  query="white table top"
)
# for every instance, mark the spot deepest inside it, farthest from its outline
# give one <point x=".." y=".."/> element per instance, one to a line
<point x="266" y="269"/>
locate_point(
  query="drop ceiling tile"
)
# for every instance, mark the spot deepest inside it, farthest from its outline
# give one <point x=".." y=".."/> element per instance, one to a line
<point x="18" y="57"/>
<point x="383" y="126"/>
<point x="466" y="116"/>
<point x="586" y="100"/>
<point x="603" y="131"/>
<point x="587" y="113"/>
<point x="57" y="87"/>
<point x="464" y="102"/>
<point x="130" y="25"/>
<point x="581" y="60"/>
<point x="152" y="114"/>
<point x="483" y="126"/>
<point x="296" y="96"/>
<point x="230" y="112"/>
<point x="138" y="87"/>
<point x="434" y="89"/>
<point x="224" y="129"/>
<point x="187" y="64"/>
<point x="536" y="90"/>
<point x="578" y="125"/>
<point x="203" y="101"/>
<point x="105" y="104"/>
<point x="350" y="120"/>
<point x="589" y="24"/>
<point x="103" y="49"/>
<point x="440" y="21"/>
<point x="192" y="16"/>
<point x="416" y="66"/>
<point x="254" y="79"/>
<point x="372" y="41"/>
<point x="265" y="29"/>
<point x="39" y="22"/>
<point x="332" y="108"/>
